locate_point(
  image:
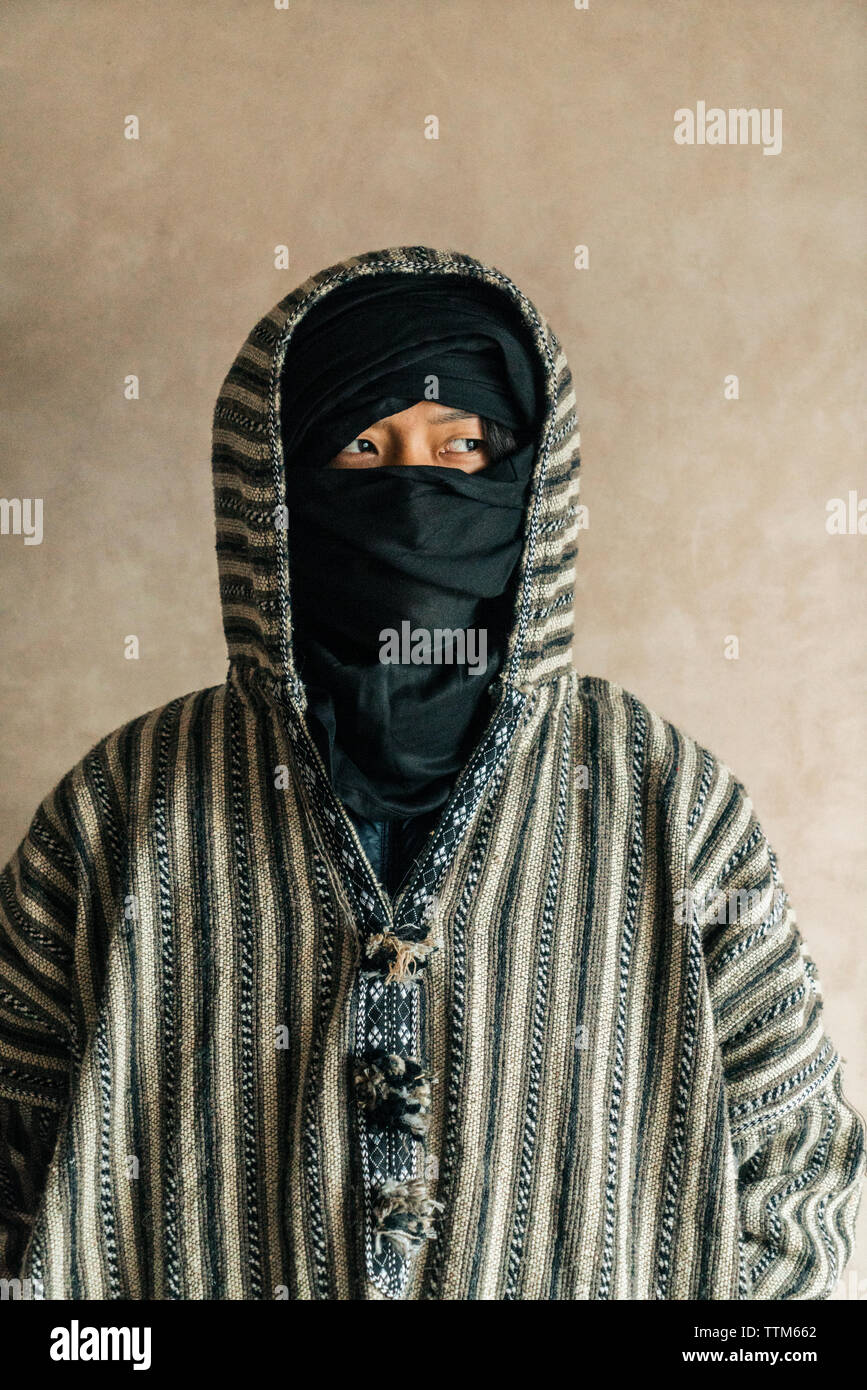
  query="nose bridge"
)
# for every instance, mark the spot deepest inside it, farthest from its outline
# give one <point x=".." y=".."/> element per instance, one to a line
<point x="409" y="443"/>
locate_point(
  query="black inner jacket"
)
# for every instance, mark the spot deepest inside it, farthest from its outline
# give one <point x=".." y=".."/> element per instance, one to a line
<point x="374" y="550"/>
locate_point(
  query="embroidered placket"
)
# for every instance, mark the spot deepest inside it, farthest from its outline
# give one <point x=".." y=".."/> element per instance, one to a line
<point x="389" y="1012"/>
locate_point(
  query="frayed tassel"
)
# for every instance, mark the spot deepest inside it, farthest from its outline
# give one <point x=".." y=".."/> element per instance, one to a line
<point x="403" y="958"/>
<point x="396" y="1091"/>
<point x="403" y="1214"/>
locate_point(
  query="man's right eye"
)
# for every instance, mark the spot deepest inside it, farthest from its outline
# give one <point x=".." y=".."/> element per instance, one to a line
<point x="351" y="449"/>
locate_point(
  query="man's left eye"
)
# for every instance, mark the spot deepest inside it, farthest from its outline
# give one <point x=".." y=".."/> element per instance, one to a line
<point x="475" y="443"/>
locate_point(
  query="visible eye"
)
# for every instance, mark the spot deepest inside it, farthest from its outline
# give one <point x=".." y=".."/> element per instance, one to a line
<point x="475" y="445"/>
<point x="350" y="447"/>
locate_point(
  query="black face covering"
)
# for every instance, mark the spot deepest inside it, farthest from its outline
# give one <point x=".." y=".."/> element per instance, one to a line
<point x="384" y="559"/>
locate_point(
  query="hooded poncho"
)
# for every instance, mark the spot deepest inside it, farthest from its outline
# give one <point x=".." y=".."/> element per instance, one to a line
<point x="582" y="1055"/>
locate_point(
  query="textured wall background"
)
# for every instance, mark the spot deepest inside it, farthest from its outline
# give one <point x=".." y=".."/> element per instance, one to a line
<point x="306" y="127"/>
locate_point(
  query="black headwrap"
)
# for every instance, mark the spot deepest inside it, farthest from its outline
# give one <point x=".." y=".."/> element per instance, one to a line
<point x="374" y="549"/>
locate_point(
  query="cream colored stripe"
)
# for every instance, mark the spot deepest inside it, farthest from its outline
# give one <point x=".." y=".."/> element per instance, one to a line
<point x="87" y="1213"/>
<point x="43" y="968"/>
<point x="124" y="1163"/>
<point x="234" y="391"/>
<point x="478" y="1032"/>
<point x="336" y="1110"/>
<point x="640" y="1005"/>
<point x="187" y="983"/>
<point x="717" y="797"/>
<point x="651" y="1180"/>
<point x="116" y="1009"/>
<point x="256" y="356"/>
<point x="44" y="863"/>
<point x="239" y="443"/>
<point x="691" y="1234"/>
<point x="516" y="1015"/>
<point x="270" y="918"/>
<point x="548" y="589"/>
<point x="88" y="1175"/>
<point x="726" y="842"/>
<point x="250" y="491"/>
<point x="559" y="660"/>
<point x="560" y="1031"/>
<point x="301" y="951"/>
<point x="226" y="1044"/>
<point x="46" y="1063"/>
<point x="610" y="886"/>
<point x="148" y="1020"/>
<point x="56" y="1228"/>
<point x="13" y="979"/>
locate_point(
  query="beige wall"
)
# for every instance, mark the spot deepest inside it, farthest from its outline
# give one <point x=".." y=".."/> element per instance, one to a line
<point x="306" y="127"/>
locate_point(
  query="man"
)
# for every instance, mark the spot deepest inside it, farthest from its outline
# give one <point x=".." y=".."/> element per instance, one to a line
<point x="373" y="973"/>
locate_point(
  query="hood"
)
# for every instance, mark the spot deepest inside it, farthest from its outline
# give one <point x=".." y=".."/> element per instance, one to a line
<point x="249" y="494"/>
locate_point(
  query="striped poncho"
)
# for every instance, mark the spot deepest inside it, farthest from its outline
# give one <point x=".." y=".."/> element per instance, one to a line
<point x="580" y="1056"/>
